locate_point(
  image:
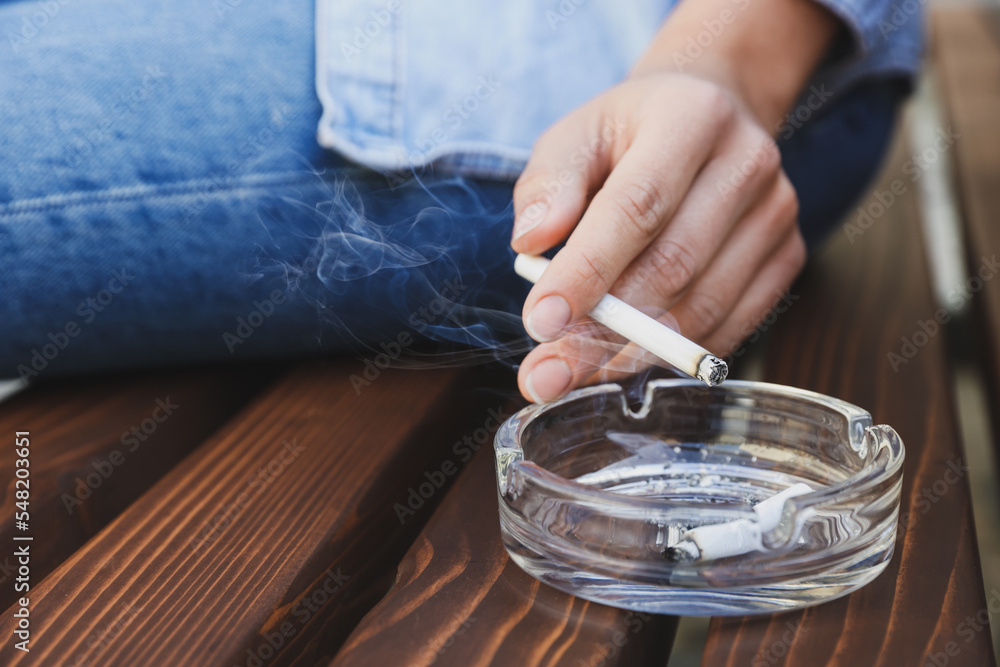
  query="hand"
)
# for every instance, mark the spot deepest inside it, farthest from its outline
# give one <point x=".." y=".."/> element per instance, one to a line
<point x="684" y="208"/>
<point x="669" y="193"/>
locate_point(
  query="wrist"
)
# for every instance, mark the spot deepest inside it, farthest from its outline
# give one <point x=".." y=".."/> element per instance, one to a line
<point x="711" y="67"/>
<point x="761" y="51"/>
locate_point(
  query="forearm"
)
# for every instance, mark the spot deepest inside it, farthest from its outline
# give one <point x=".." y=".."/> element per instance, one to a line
<point x="762" y="50"/>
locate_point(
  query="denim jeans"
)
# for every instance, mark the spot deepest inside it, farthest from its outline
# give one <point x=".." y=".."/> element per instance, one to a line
<point x="163" y="200"/>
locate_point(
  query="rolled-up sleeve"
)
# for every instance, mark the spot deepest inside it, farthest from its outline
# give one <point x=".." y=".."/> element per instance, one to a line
<point x="882" y="38"/>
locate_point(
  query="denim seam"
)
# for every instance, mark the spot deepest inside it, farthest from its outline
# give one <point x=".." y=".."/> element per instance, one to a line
<point x="189" y="188"/>
<point x="322" y="75"/>
<point x="399" y="46"/>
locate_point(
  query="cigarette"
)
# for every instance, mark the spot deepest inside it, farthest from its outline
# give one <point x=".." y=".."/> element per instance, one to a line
<point x="733" y="538"/>
<point x="688" y="357"/>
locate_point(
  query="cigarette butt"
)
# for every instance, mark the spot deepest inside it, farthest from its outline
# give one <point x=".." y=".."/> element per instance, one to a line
<point x="722" y="540"/>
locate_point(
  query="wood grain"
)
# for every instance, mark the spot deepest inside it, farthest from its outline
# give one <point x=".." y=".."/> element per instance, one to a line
<point x="266" y="544"/>
<point x="459" y="600"/>
<point x="856" y="302"/>
<point x="966" y="50"/>
<point x="77" y="484"/>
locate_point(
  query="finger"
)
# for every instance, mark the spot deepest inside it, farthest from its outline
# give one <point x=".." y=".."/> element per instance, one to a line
<point x="594" y="354"/>
<point x="638" y="198"/>
<point x="712" y="299"/>
<point x="713" y="296"/>
<point x="766" y="292"/>
<point x="567" y="163"/>
<point x="631" y="359"/>
<point x="552" y="369"/>
<point x="705" y="220"/>
<point x="588" y="349"/>
<point x="769" y="289"/>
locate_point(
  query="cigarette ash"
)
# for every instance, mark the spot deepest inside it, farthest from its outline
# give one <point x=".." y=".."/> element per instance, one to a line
<point x="712" y="370"/>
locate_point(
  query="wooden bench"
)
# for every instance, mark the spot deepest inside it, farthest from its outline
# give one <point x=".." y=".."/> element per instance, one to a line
<point x="278" y="516"/>
<point x="858" y="302"/>
<point x="966" y="47"/>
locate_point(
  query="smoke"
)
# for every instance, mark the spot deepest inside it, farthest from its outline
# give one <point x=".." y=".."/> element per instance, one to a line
<point x="418" y="274"/>
<point x="424" y="266"/>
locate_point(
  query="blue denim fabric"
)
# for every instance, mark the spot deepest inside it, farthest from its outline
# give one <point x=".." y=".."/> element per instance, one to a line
<point x="469" y="86"/>
<point x="163" y="199"/>
<point x="832" y="159"/>
<point x="884" y="38"/>
<point x="161" y="185"/>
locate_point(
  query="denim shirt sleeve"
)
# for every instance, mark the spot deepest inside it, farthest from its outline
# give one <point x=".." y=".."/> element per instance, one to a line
<point x="469" y="86"/>
<point x="884" y="39"/>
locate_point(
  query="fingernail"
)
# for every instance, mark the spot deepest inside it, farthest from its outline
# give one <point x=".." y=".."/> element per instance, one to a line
<point x="530" y="218"/>
<point x="549" y="380"/>
<point x="548" y="318"/>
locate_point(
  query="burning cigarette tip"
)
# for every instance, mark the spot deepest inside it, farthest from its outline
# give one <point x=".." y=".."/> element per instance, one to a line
<point x="712" y="370"/>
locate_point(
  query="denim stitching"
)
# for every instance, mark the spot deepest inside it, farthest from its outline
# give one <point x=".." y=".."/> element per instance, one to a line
<point x="184" y="189"/>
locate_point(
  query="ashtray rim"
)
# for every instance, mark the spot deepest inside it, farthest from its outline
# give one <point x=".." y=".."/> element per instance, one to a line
<point x="507" y="447"/>
<point x="540" y="512"/>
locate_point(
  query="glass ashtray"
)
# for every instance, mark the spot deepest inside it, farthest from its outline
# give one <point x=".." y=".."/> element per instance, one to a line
<point x="737" y="499"/>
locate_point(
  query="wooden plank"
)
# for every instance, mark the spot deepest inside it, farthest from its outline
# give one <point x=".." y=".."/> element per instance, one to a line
<point x="966" y="51"/>
<point x="459" y="600"/>
<point x="857" y="302"/>
<point x="87" y="464"/>
<point x="266" y="544"/>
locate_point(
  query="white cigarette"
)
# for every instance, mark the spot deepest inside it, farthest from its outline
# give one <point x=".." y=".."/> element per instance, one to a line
<point x="688" y="357"/>
<point x="722" y="540"/>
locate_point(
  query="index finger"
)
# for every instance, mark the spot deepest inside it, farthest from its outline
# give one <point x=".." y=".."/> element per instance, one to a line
<point x="636" y="202"/>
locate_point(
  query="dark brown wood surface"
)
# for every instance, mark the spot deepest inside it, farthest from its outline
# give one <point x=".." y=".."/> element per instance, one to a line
<point x="280" y="531"/>
<point x="459" y="600"/>
<point x="856" y="301"/>
<point x="77" y="483"/>
<point x="966" y="52"/>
